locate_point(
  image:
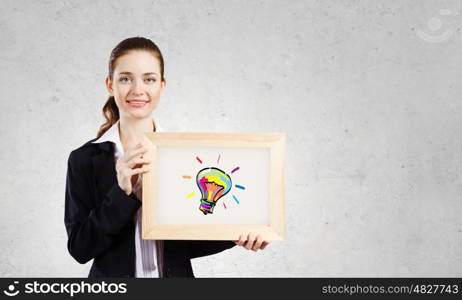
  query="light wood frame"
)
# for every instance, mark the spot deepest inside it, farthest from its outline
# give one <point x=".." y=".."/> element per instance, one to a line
<point x="274" y="141"/>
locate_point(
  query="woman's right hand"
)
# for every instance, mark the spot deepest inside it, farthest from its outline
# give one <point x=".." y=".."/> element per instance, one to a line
<point x="129" y="166"/>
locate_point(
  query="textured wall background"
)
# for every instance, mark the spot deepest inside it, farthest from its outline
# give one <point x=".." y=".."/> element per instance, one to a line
<point x="367" y="91"/>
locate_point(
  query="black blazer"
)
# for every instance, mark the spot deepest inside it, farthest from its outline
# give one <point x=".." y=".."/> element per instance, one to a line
<point x="99" y="219"/>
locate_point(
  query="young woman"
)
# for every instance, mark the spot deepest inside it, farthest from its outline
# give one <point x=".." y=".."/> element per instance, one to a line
<point x="103" y="185"/>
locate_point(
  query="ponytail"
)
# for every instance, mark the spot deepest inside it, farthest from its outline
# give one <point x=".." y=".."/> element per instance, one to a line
<point x="111" y="114"/>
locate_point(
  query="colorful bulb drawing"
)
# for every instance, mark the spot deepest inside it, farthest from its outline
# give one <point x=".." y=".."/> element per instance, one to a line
<point x="213" y="184"/>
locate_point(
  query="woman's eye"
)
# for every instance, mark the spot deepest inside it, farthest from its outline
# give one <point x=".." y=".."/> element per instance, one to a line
<point x="126" y="79"/>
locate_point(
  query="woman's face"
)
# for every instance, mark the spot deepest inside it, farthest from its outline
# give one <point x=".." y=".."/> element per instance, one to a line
<point x="136" y="84"/>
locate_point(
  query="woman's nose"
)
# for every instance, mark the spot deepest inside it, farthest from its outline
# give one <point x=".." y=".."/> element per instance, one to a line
<point x="137" y="87"/>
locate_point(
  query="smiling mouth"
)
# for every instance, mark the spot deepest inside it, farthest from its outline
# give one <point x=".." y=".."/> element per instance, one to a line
<point x="137" y="103"/>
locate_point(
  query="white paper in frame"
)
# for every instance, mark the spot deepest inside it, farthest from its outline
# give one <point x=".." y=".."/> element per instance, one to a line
<point x="214" y="186"/>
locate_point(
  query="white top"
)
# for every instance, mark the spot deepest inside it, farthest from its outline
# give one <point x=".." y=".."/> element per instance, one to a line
<point x="146" y="255"/>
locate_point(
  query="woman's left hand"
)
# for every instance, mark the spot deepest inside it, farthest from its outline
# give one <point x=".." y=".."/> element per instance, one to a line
<point x="252" y="242"/>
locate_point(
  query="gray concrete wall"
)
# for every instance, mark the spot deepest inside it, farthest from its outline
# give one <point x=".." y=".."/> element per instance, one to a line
<point x="367" y="91"/>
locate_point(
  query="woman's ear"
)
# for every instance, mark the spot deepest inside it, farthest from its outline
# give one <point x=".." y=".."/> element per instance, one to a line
<point x="108" y="82"/>
<point x="163" y="84"/>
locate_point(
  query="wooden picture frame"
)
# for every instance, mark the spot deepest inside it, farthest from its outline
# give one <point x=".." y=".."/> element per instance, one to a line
<point x="170" y="213"/>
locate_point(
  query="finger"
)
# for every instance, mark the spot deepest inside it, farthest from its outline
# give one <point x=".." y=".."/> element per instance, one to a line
<point x="137" y="152"/>
<point x="130" y="150"/>
<point x="264" y="244"/>
<point x="140" y="170"/>
<point x="138" y="161"/>
<point x="257" y="244"/>
<point x="250" y="241"/>
<point x="241" y="240"/>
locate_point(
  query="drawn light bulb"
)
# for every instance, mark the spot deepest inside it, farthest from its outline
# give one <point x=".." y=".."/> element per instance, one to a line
<point x="213" y="184"/>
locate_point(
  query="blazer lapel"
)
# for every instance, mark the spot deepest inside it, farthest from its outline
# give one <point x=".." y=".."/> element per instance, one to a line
<point x="104" y="169"/>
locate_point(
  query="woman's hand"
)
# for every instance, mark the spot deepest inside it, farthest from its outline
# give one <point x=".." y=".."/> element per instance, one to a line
<point x="252" y="242"/>
<point x="129" y="166"/>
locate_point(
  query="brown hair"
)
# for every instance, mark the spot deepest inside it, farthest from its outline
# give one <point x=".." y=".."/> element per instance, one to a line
<point x="110" y="109"/>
